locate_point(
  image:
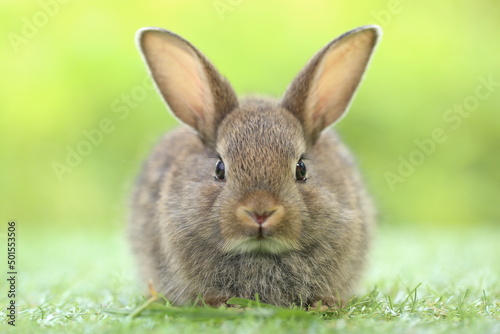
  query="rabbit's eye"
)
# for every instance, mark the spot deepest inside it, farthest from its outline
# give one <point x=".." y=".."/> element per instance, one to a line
<point x="300" y="171"/>
<point x="220" y="170"/>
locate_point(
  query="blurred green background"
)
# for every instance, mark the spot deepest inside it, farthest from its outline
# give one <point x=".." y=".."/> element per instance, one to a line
<point x="68" y="66"/>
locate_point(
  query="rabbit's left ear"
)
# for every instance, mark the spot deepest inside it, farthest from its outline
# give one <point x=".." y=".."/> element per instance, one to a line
<point x="323" y="90"/>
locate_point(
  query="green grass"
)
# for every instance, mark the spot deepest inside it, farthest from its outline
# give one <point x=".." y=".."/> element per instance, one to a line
<point x="419" y="281"/>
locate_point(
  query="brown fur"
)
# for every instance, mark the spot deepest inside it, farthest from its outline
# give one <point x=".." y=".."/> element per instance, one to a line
<point x="195" y="236"/>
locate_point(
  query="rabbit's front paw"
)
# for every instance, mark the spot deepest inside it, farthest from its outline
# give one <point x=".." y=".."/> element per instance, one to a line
<point x="214" y="301"/>
<point x="323" y="304"/>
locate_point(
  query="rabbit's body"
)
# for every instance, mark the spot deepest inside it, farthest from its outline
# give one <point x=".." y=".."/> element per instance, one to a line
<point x="258" y="227"/>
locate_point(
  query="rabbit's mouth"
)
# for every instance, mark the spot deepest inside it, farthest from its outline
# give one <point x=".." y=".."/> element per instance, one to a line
<point x="260" y="244"/>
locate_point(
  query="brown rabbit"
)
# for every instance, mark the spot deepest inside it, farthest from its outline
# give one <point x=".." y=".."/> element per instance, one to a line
<point x="255" y="196"/>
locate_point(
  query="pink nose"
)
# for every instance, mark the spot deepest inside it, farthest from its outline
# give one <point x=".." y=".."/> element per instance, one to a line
<point x="260" y="218"/>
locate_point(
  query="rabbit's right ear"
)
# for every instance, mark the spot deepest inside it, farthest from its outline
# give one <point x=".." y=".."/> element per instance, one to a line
<point x="191" y="86"/>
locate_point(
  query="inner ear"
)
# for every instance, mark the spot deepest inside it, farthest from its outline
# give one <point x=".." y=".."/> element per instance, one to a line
<point x="335" y="81"/>
<point x="180" y="77"/>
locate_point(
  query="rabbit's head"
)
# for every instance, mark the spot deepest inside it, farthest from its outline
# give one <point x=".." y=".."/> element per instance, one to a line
<point x="264" y="177"/>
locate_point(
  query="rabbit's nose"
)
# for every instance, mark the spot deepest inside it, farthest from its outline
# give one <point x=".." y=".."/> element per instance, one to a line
<point x="260" y="217"/>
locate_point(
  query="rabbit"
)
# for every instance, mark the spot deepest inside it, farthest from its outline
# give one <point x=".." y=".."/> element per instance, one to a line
<point x="257" y="196"/>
